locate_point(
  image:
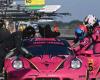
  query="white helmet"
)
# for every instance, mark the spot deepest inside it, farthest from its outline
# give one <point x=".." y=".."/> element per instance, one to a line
<point x="90" y="20"/>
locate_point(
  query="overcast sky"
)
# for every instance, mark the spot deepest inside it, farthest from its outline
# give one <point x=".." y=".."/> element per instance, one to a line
<point x="78" y="8"/>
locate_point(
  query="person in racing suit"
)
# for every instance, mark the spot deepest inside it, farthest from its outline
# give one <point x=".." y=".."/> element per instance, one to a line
<point x="82" y="38"/>
<point x="47" y="32"/>
<point x="9" y="41"/>
<point x="92" y="38"/>
<point x="20" y="36"/>
<point x="93" y="26"/>
<point x="4" y="36"/>
<point x="28" y="32"/>
<point x="96" y="40"/>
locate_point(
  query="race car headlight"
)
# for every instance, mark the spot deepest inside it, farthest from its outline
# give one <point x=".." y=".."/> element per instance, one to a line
<point x="76" y="63"/>
<point x="17" y="64"/>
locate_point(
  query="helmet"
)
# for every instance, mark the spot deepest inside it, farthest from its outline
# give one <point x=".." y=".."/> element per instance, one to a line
<point x="81" y="32"/>
<point x="21" y="28"/>
<point x="90" y="20"/>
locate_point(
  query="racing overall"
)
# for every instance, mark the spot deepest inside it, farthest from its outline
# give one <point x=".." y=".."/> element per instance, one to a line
<point x="47" y="32"/>
<point x="96" y="40"/>
<point x="4" y="35"/>
<point x="83" y="45"/>
<point x="8" y="42"/>
<point x="91" y="40"/>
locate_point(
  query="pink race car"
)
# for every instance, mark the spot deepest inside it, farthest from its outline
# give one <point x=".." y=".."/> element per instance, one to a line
<point x="51" y="59"/>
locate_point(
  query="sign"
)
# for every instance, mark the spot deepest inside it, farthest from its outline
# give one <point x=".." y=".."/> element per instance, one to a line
<point x="34" y="2"/>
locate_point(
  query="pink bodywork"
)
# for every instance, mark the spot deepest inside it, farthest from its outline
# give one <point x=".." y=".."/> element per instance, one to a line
<point x="54" y="68"/>
<point x="46" y="67"/>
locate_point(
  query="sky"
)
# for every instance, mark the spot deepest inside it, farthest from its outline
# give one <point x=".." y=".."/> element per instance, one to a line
<point x="78" y="8"/>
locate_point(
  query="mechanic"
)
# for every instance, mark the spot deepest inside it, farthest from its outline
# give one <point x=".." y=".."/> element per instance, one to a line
<point x="29" y="32"/>
<point x="92" y="24"/>
<point x="17" y="39"/>
<point x="47" y="32"/>
<point x="4" y="36"/>
<point x="82" y="38"/>
<point x="37" y="33"/>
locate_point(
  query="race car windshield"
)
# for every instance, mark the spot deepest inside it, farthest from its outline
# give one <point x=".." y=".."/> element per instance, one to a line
<point x="52" y="48"/>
